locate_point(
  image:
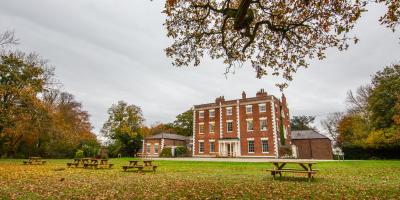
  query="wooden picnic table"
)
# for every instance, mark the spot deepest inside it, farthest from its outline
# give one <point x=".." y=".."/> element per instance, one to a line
<point x="306" y="167"/>
<point x="90" y="162"/>
<point x="34" y="160"/>
<point x="133" y="164"/>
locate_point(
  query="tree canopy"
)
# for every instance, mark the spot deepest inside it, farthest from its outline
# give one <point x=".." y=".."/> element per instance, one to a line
<point x="373" y="115"/>
<point x="123" y="126"/>
<point x="301" y="122"/>
<point x="36" y="118"/>
<point x="276" y="37"/>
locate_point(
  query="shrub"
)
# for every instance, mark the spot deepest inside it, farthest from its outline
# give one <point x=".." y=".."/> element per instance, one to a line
<point x="181" y="151"/>
<point x="359" y="152"/>
<point x="166" y="152"/>
<point x="79" y="154"/>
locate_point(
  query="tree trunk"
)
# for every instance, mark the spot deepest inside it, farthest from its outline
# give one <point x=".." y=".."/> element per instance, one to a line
<point x="241" y="14"/>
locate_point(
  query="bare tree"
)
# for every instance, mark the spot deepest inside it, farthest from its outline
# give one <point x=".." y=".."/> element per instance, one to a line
<point x="331" y="125"/>
<point x="8" y="38"/>
<point x="357" y="102"/>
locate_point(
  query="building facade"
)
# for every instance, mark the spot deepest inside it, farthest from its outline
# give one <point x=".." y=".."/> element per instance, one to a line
<point x="310" y="144"/>
<point x="246" y="127"/>
<point x="154" y="144"/>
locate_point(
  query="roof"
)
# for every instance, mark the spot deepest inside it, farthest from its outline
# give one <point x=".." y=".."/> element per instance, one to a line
<point x="168" y="136"/>
<point x="307" y="134"/>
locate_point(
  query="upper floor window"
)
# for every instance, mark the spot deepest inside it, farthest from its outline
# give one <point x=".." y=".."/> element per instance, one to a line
<point x="249" y="109"/>
<point x="262" y="107"/>
<point x="263" y="124"/>
<point x="229" y="111"/>
<point x="201" y="114"/>
<point x="211" y="113"/>
<point x="229" y="126"/>
<point x="201" y="128"/>
<point x="249" y="123"/>
<point x="211" y="127"/>
<point x="250" y="146"/>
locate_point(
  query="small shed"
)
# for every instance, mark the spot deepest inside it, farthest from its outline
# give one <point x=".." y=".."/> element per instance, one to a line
<point x="312" y="145"/>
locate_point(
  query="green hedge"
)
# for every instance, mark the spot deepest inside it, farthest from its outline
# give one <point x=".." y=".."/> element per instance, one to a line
<point x="358" y="152"/>
<point x="181" y="151"/>
<point x="166" y="152"/>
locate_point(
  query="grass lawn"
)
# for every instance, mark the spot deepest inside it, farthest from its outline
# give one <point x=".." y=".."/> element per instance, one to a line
<point x="198" y="180"/>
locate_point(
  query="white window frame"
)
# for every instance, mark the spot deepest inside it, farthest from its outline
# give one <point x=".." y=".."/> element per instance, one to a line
<point x="251" y="109"/>
<point x="211" y="111"/>
<point x="201" y="114"/>
<point x="209" y="127"/>
<point x="227" y="126"/>
<point x="212" y="141"/>
<point x="247" y="125"/>
<point x="148" y="146"/>
<point x="201" y="142"/>
<point x="154" y="147"/>
<point x="266" y="124"/>
<point x="201" y="124"/>
<point x="264" y="106"/>
<point x="262" y="145"/>
<point x="248" y="146"/>
<point x="229" y="111"/>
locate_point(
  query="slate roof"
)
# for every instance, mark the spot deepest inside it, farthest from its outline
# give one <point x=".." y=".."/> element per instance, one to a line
<point x="169" y="136"/>
<point x="307" y="134"/>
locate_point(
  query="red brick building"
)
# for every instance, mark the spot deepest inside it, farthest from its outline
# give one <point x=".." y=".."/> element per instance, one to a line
<point x="310" y="144"/>
<point x="154" y="144"/>
<point x="246" y="127"/>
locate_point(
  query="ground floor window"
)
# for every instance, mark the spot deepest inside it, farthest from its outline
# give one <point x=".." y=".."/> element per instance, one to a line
<point x="250" y="146"/>
<point x="148" y="148"/>
<point x="264" y="146"/>
<point x="156" y="148"/>
<point x="201" y="147"/>
<point x="212" y="147"/>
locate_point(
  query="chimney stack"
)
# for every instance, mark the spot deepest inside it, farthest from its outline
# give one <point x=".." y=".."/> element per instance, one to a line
<point x="219" y="99"/>
<point x="261" y="93"/>
<point x="283" y="99"/>
<point x="243" y="95"/>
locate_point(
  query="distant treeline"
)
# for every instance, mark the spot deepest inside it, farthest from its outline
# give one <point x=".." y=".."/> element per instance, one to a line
<point x="36" y="118"/>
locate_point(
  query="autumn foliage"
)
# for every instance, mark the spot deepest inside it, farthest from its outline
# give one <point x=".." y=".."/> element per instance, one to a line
<point x="36" y="119"/>
<point x="274" y="37"/>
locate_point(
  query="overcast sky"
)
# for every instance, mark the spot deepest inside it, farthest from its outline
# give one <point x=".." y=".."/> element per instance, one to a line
<point x="110" y="50"/>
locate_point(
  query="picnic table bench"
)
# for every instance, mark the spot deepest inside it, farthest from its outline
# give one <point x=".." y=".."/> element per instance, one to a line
<point x="306" y="168"/>
<point x="78" y="162"/>
<point x="90" y="163"/>
<point x="133" y="164"/>
<point x="34" y="161"/>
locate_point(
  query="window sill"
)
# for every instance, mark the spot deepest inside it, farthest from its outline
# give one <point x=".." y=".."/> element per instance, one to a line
<point x="251" y="152"/>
